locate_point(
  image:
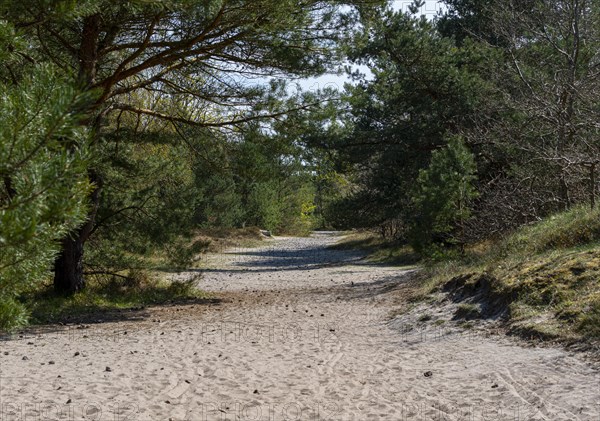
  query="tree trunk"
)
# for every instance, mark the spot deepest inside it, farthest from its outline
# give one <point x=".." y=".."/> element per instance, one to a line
<point x="68" y="267"/>
<point x="564" y="187"/>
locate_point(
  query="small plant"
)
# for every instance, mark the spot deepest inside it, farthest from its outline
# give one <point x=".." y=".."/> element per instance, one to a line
<point x="13" y="315"/>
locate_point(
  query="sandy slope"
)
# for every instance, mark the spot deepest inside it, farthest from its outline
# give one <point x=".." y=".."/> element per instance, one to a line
<point x="303" y="334"/>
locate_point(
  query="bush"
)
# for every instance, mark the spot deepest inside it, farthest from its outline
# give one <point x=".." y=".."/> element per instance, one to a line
<point x="110" y="293"/>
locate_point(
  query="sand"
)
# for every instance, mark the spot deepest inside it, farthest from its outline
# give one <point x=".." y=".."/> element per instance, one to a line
<point x="303" y="333"/>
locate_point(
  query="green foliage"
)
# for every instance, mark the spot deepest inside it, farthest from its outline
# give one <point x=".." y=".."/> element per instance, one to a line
<point x="486" y="73"/>
<point x="11" y="44"/>
<point x="468" y="18"/>
<point x="442" y="202"/>
<point x="219" y="204"/>
<point x="264" y="206"/>
<point x="155" y="67"/>
<point x="423" y="88"/>
<point x="13" y="314"/>
<point x="158" y="192"/>
<point x="43" y="156"/>
<point x="148" y="200"/>
<point x="255" y="179"/>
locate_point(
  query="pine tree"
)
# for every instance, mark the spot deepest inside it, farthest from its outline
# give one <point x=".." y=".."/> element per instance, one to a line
<point x="43" y="158"/>
<point x="444" y="196"/>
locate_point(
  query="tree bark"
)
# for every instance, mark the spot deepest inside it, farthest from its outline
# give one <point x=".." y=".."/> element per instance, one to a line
<point x="68" y="267"/>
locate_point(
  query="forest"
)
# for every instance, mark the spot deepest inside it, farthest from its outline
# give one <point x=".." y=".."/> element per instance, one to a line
<point x="128" y="127"/>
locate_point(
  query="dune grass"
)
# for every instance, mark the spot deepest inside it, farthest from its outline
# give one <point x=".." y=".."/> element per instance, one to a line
<point x="548" y="274"/>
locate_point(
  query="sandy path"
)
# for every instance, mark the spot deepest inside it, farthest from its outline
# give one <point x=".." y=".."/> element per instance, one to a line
<point x="304" y="334"/>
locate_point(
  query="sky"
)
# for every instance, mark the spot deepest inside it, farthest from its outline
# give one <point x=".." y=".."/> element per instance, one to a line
<point x="430" y="9"/>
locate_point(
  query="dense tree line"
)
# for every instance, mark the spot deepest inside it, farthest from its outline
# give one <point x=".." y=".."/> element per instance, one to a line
<point x="496" y="100"/>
